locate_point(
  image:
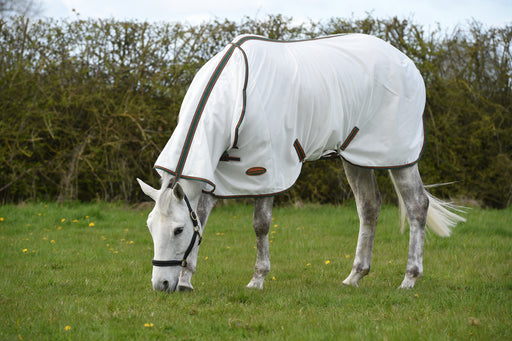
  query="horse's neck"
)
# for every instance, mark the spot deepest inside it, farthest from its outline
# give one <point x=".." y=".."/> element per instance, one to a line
<point x="193" y="190"/>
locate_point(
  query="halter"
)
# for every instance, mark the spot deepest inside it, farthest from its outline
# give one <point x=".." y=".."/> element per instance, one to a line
<point x="197" y="233"/>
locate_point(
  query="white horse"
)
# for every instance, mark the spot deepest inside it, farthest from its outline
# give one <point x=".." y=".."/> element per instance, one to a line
<point x="259" y="109"/>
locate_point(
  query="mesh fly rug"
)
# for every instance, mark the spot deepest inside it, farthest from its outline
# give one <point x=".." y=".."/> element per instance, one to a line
<point x="260" y="108"/>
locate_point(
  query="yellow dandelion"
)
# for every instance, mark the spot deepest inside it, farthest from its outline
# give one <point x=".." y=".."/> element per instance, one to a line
<point x="91" y="224"/>
<point x="309" y="264"/>
<point x="148" y="325"/>
<point x="59" y="228"/>
<point x="123" y="240"/>
<point x="272" y="232"/>
<point x="327" y="262"/>
<point x="347" y="256"/>
<point x="131" y="242"/>
<point x="25" y="250"/>
<point x="86" y="217"/>
<point x="228" y="247"/>
<point x="52" y="241"/>
<point x="39" y="214"/>
<point x="75" y="220"/>
<point x="275" y="225"/>
<point x="2" y="219"/>
<point x="416" y="295"/>
<point x="116" y="251"/>
<point x="206" y="258"/>
<point x="273" y="278"/>
<point x="67" y="328"/>
<point x="63" y="220"/>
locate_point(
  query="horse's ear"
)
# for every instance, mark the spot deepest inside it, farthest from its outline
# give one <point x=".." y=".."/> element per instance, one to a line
<point x="178" y="191"/>
<point x="148" y="190"/>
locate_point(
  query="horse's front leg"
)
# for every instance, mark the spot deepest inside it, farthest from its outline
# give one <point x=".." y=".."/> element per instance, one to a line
<point x="204" y="207"/>
<point x="261" y="222"/>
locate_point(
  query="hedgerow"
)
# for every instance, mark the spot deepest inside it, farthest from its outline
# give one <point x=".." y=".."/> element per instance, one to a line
<point x="87" y="105"/>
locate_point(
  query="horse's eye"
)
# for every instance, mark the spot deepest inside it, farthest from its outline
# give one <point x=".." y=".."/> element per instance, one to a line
<point x="178" y="231"/>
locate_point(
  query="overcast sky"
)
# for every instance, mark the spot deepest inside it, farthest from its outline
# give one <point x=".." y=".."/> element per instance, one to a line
<point x="426" y="12"/>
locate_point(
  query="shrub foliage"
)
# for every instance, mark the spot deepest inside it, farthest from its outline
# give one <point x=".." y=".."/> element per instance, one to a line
<point x="87" y="105"/>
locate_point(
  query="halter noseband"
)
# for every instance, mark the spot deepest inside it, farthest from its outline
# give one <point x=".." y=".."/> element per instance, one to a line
<point x="197" y="233"/>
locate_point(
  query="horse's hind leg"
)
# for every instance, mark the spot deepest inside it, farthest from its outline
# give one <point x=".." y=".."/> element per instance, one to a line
<point x="261" y="221"/>
<point x="410" y="186"/>
<point x="368" y="201"/>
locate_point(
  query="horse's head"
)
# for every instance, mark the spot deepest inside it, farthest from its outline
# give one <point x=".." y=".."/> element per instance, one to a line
<point x="175" y="230"/>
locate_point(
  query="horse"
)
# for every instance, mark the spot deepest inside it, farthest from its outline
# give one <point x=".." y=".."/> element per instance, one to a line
<point x="258" y="110"/>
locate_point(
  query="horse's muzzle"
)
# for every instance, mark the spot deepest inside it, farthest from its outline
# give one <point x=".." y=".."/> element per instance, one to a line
<point x="165" y="285"/>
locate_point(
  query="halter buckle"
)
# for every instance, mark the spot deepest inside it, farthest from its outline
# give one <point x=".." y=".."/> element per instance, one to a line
<point x="193" y="216"/>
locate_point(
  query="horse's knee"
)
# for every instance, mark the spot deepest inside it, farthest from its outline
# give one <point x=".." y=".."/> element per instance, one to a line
<point x="371" y="207"/>
<point x="261" y="225"/>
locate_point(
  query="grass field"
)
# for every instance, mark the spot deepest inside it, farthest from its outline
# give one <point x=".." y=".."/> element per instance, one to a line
<point x="82" y="272"/>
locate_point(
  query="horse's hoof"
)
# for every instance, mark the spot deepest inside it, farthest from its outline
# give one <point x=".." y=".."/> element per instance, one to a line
<point x="349" y="284"/>
<point x="407" y="283"/>
<point x="182" y="288"/>
<point x="255" y="284"/>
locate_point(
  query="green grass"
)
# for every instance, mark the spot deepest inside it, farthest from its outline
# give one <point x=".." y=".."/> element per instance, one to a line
<point x="71" y="280"/>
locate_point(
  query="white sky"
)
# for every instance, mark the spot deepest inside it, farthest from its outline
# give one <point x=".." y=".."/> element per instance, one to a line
<point x="425" y="12"/>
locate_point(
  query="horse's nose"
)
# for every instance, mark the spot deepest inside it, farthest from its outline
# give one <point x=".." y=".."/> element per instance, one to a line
<point x="165" y="285"/>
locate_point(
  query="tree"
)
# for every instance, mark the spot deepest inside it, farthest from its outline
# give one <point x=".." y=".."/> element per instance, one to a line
<point x="19" y="7"/>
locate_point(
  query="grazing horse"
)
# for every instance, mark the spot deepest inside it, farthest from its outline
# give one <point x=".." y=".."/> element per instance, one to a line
<point x="258" y="110"/>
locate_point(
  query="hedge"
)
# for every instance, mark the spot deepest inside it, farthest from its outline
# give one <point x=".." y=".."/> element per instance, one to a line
<point x="87" y="105"/>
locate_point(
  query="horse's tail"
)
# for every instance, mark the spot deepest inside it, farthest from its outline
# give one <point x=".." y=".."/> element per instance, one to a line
<point x="441" y="215"/>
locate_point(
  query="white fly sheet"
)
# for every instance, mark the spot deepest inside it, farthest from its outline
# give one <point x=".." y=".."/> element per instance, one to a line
<point x="260" y="108"/>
